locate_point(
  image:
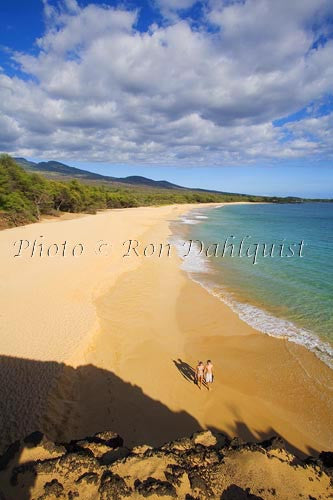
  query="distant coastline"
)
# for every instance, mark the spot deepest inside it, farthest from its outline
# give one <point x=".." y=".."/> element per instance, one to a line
<point x="29" y="192"/>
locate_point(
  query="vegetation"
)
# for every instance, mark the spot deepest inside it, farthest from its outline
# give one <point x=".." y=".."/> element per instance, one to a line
<point x="26" y="196"/>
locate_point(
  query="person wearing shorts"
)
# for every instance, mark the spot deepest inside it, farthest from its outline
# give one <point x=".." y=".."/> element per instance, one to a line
<point x="208" y="373"/>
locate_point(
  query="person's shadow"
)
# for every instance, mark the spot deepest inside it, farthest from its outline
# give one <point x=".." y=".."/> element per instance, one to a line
<point x="186" y="370"/>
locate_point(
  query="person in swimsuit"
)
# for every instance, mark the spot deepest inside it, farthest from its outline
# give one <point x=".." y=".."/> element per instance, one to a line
<point x="199" y="374"/>
<point x="208" y="373"/>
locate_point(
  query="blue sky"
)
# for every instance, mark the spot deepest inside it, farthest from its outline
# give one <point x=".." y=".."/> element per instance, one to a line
<point x="231" y="95"/>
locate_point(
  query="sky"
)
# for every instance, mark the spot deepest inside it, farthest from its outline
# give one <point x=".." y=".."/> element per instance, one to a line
<point x="235" y="95"/>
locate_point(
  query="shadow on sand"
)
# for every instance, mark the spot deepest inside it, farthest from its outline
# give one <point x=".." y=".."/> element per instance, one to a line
<point x="187" y="371"/>
<point x="67" y="403"/>
<point x="239" y="428"/>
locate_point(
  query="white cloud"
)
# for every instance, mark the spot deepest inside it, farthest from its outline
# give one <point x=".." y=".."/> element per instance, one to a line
<point x="101" y="90"/>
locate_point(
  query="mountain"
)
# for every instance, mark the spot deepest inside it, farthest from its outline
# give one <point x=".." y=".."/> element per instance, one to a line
<point x="61" y="171"/>
<point x="137" y="179"/>
<point x="54" y="169"/>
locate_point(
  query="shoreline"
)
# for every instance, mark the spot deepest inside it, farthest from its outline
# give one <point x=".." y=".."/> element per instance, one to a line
<point x="188" y="338"/>
<point x="246" y="310"/>
<point x="148" y="315"/>
<point x="48" y="317"/>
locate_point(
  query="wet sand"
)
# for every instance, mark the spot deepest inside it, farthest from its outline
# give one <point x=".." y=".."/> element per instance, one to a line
<point x="156" y="324"/>
<point x="116" y="340"/>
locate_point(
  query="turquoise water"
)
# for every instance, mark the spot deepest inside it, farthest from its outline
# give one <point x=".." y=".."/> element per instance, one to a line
<point x="288" y="295"/>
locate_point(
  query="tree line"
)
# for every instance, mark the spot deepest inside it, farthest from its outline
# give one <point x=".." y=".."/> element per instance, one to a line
<point x="26" y="197"/>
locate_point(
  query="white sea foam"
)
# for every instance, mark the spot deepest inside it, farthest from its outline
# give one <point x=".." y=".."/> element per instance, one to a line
<point x="271" y="325"/>
<point x="194" y="216"/>
<point x="277" y="327"/>
<point x="196" y="265"/>
<point x="187" y="220"/>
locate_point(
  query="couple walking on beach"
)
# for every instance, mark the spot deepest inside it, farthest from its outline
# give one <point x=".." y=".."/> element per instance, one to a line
<point x="204" y="374"/>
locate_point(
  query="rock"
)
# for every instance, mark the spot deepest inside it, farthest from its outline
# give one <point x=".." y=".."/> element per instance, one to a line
<point x="234" y="492"/>
<point x="174" y="474"/>
<point x="199" y="485"/>
<point x="237" y="442"/>
<point x="151" y="486"/>
<point x="88" y="477"/>
<point x="275" y="442"/>
<point x="37" y="438"/>
<point x="205" y="438"/>
<point x="96" y="445"/>
<point x="179" y="445"/>
<point x="205" y="466"/>
<point x="113" y="455"/>
<point x="111" y="439"/>
<point x="53" y="489"/>
<point x="141" y="449"/>
<point x="97" y="449"/>
<point x="113" y="487"/>
<point x="326" y="458"/>
<point x="44" y="467"/>
<point x="72" y="495"/>
<point x="34" y="439"/>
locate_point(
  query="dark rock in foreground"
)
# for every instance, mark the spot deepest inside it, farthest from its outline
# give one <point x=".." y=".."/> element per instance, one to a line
<point x="205" y="466"/>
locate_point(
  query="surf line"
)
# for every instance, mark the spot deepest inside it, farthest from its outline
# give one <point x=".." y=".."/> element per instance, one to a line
<point x="244" y="248"/>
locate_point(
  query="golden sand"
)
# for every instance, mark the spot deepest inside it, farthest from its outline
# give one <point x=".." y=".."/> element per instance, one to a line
<point x="131" y="330"/>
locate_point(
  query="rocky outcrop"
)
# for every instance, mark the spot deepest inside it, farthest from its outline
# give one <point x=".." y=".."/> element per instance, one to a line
<point x="205" y="466"/>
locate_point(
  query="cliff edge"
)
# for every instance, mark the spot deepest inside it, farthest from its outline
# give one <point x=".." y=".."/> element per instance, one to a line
<point x="205" y="466"/>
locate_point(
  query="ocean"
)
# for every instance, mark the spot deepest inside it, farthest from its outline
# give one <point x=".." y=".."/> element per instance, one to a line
<point x="280" y="279"/>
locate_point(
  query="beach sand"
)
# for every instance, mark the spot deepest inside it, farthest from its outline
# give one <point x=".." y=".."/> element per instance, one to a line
<point x="99" y="343"/>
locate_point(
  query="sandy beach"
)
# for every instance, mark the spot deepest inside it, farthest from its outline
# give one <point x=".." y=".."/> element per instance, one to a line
<point x="99" y="341"/>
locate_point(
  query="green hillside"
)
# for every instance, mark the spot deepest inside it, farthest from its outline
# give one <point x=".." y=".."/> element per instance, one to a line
<point x="29" y="190"/>
<point x="26" y="196"/>
<point x="60" y="171"/>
